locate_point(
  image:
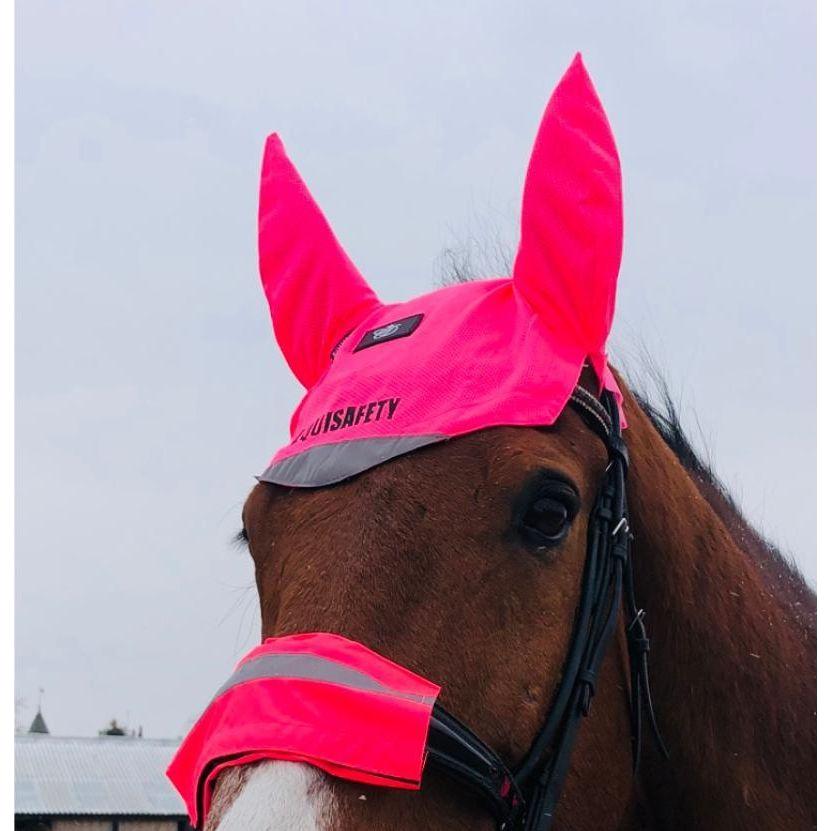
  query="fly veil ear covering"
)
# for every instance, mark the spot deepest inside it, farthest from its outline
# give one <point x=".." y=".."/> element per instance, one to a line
<point x="314" y="292"/>
<point x="383" y="380"/>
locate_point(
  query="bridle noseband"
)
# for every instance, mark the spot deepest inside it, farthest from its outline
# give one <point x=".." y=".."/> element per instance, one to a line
<point x="525" y="797"/>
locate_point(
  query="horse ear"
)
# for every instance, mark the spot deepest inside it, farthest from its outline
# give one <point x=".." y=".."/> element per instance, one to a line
<point x="572" y="220"/>
<point x="315" y="294"/>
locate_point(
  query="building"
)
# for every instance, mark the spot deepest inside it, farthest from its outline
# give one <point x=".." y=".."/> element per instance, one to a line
<point x="101" y="783"/>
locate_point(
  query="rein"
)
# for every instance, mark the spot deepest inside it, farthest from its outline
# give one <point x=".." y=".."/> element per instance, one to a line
<point x="526" y="797"/>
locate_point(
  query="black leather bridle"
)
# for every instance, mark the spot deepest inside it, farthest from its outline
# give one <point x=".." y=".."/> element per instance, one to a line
<point x="525" y="797"/>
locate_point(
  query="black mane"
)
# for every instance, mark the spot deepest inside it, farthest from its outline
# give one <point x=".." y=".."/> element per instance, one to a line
<point x="780" y="570"/>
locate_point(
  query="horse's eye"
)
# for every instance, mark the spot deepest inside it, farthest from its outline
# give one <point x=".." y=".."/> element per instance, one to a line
<point x="547" y="516"/>
<point x="544" y="519"/>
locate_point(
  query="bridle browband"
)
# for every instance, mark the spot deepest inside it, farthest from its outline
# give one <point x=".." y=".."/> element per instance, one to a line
<point x="525" y="797"/>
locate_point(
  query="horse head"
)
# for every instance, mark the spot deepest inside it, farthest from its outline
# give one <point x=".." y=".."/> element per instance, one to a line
<point x="443" y="512"/>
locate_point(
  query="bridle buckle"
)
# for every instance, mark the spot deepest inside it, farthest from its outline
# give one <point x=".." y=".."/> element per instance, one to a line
<point x="622" y="525"/>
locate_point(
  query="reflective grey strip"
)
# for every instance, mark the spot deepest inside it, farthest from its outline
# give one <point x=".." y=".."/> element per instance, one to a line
<point x="308" y="667"/>
<point x="330" y="463"/>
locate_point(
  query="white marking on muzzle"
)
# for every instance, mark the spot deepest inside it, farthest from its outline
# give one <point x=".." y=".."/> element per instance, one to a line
<point x="281" y="796"/>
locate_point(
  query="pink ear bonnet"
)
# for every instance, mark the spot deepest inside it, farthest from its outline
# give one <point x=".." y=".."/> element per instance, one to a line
<point x="383" y="380"/>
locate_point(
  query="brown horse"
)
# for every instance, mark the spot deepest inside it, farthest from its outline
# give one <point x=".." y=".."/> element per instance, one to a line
<point x="419" y="558"/>
<point x="415" y="559"/>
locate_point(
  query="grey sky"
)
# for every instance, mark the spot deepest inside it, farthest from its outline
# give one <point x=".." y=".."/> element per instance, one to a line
<point x="149" y="389"/>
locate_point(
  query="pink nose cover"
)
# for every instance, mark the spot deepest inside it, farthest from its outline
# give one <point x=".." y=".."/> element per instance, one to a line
<point x="316" y="698"/>
<point x="383" y="380"/>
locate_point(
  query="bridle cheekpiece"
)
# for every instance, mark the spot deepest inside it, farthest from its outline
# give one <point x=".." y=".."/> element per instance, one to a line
<point x="525" y="797"/>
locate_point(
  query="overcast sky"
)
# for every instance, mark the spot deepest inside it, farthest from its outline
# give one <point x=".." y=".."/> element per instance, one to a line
<point x="149" y="389"/>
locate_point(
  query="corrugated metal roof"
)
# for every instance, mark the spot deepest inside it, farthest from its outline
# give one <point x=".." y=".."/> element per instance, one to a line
<point x="105" y="775"/>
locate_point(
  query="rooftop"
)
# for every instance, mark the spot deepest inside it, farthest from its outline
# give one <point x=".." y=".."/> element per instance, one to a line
<point x="112" y="775"/>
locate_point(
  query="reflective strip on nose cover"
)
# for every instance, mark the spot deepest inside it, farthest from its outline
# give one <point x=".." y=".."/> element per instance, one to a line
<point x="316" y="698"/>
<point x="304" y="667"/>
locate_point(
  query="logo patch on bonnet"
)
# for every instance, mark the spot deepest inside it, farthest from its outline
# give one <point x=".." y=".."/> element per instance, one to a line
<point x="391" y="331"/>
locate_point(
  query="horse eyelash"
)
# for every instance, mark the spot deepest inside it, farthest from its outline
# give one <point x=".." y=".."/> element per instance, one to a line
<point x="240" y="539"/>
